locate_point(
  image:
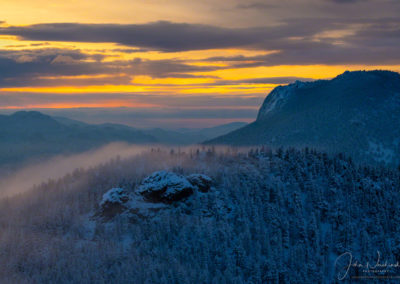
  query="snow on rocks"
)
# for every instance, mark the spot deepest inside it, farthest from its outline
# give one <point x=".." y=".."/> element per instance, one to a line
<point x="157" y="191"/>
<point x="165" y="187"/>
<point x="202" y="182"/>
<point x="113" y="202"/>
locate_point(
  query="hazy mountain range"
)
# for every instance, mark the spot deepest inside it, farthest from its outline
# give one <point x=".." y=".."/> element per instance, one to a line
<point x="30" y="134"/>
<point x="357" y="113"/>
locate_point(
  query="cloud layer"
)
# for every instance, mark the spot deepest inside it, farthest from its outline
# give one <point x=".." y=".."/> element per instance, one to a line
<point x="298" y="41"/>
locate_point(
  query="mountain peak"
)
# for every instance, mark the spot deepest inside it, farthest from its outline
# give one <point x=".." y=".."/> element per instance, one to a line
<point x="363" y="74"/>
<point x="367" y="77"/>
<point x="354" y="113"/>
<point x="366" y="84"/>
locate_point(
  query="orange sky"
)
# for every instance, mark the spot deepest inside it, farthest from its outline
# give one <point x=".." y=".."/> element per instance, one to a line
<point x="50" y="71"/>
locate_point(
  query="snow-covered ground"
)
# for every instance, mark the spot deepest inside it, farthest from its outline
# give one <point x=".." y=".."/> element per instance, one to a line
<point x="267" y="217"/>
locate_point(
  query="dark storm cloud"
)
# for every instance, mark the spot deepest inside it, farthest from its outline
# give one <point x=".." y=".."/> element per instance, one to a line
<point x="28" y="67"/>
<point x="165" y="36"/>
<point x="129" y="50"/>
<point x="300" y="41"/>
<point x="374" y="40"/>
<point x="55" y="82"/>
<point x="22" y="68"/>
<point x="166" y="68"/>
<point x="314" y="53"/>
<point x="44" y="54"/>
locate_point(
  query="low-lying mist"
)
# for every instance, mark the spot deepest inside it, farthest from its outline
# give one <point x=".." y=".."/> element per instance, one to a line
<point x="57" y="167"/>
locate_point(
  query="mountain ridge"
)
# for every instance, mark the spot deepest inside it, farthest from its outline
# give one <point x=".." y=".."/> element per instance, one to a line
<point x="355" y="113"/>
<point x="30" y="135"/>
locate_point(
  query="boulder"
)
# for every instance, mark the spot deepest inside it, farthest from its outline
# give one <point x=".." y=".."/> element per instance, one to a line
<point x="202" y="182"/>
<point x="165" y="187"/>
<point x="113" y="203"/>
<point x="154" y="194"/>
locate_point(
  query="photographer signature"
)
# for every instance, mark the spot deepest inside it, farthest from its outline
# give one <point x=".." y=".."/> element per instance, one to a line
<point x="348" y="260"/>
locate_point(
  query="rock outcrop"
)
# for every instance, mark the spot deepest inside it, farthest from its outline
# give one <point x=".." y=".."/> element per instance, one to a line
<point x="158" y="191"/>
<point x="202" y="182"/>
<point x="165" y="187"/>
<point x="114" y="202"/>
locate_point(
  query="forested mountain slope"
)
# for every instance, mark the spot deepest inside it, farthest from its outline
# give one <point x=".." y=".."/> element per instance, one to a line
<point x="357" y="113"/>
<point x="269" y="217"/>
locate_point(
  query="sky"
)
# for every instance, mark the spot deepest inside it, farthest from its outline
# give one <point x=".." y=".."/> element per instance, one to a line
<point x="179" y="63"/>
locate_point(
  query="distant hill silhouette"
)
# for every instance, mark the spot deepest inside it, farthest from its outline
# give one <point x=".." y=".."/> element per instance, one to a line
<point x="31" y="135"/>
